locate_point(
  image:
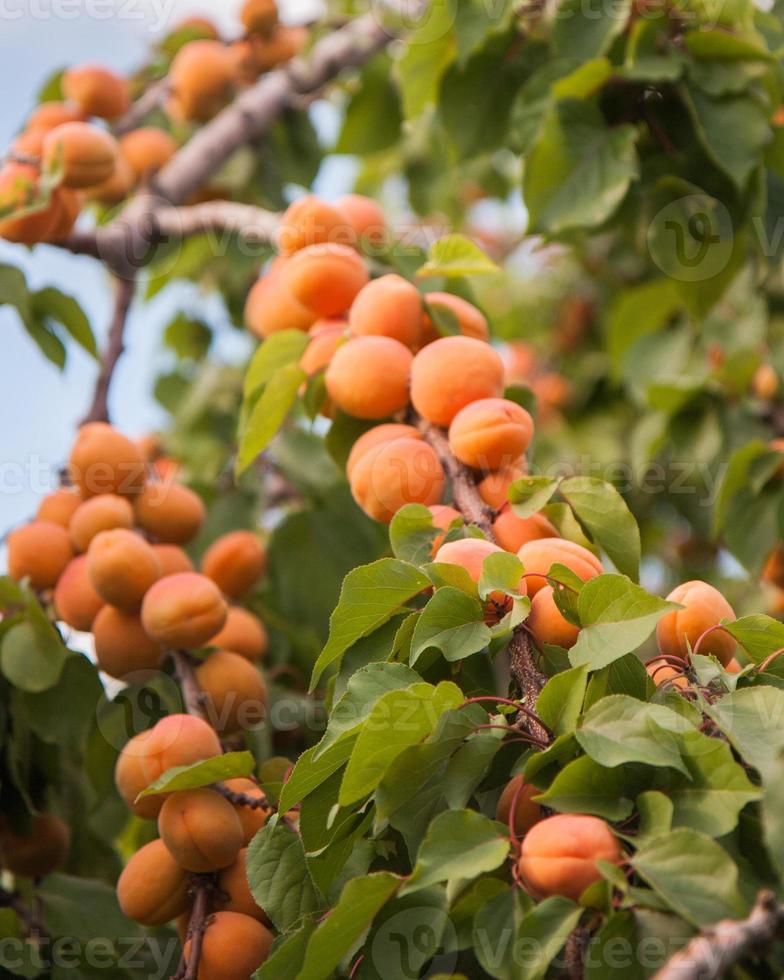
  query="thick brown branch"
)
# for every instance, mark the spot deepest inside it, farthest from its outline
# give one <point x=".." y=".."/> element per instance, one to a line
<point x="115" y="345"/>
<point x="714" y="952"/>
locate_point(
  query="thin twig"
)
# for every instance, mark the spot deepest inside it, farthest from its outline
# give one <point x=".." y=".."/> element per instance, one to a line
<point x="115" y="345"/>
<point x="202" y="889"/>
<point x="147" y="102"/>
<point x="191" y="692"/>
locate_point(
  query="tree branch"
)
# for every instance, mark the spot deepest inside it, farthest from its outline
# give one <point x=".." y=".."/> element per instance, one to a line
<point x="186" y="677"/>
<point x="148" y="101"/>
<point x="115" y="345"/>
<point x="202" y="888"/>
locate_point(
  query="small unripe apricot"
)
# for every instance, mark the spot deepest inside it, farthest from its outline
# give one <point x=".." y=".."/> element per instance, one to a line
<point x="235" y="693"/>
<point x="76" y="601"/>
<point x="369" y="377"/>
<point x="443" y="517"/>
<point x="153" y="888"/>
<point x="310" y="221"/>
<point x="147" y="150"/>
<point x="183" y="611"/>
<point x="235" y="562"/>
<point x="512" y="532"/>
<point x="234" y="947"/>
<point x="122" y="646"/>
<point x="40" y="552"/>
<point x="388" y="307"/>
<point x="270" y="306"/>
<point x="490" y="433"/>
<point x="494" y="488"/>
<point x="200" y="829"/>
<point x="97" y="91"/>
<point x="471" y="321"/>
<point x="202" y="80"/>
<point x="376" y="437"/>
<point x="527" y="812"/>
<point x="661" y="671"/>
<point x="50" y="115"/>
<point x="59" y="507"/>
<point x="105" y="461"/>
<point x="559" y="854"/>
<point x="539" y="556"/>
<point x="39" y="853"/>
<point x="259" y="16"/>
<point x="678" y="631"/>
<point x="177" y="740"/>
<point x="365" y="217"/>
<point x="172" y="559"/>
<point x="105" y="512"/>
<point x="451" y="373"/>
<point x="84" y="155"/>
<point x="171" y="512"/>
<point x="243" y="633"/>
<point x="406" y="471"/>
<point x="122" y="567"/>
<point x="233" y="883"/>
<point x="251" y="818"/>
<point x="325" y="278"/>
<point x="20" y="190"/>
<point x="546" y="623"/>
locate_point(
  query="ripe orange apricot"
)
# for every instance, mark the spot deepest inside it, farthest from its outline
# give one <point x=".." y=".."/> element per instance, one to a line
<point x="235" y="562"/>
<point x="389" y="306"/>
<point x="29" y="143"/>
<point x="512" y="532"/>
<point x="233" y="883"/>
<point x="539" y="556"/>
<point x="661" y="671"/>
<point x="147" y="150"/>
<point x="67" y="205"/>
<point x="59" y="506"/>
<point x="171" y="512"/>
<point x="443" y="517"/>
<point x="234" y="691"/>
<point x="105" y="461"/>
<point x="765" y="382"/>
<point x="176" y="740"/>
<point x="153" y="888"/>
<point x="679" y="630"/>
<point x="494" y="488"/>
<point x="251" y="818"/>
<point x="773" y="571"/>
<point x="172" y="559"/>
<point x="376" y="437"/>
<point x="200" y="829"/>
<point x="259" y="16"/>
<point x="283" y="44"/>
<point x="97" y="91"/>
<point x="76" y="601"/>
<point x="490" y="433"/>
<point x="49" y="115"/>
<point x="39" y="551"/>
<point x="202" y="80"/>
<point x="547" y="624"/>
<point x="470" y="321"/>
<point x="451" y="373"/>
<point x="321" y="349"/>
<point x="310" y="221"/>
<point x="201" y="26"/>
<point x="122" y="646"/>
<point x="234" y="947"/>
<point x="559" y="854"/>
<point x="183" y="611"/>
<point x="365" y="218"/>
<point x="552" y="394"/>
<point x="325" y="278"/>
<point x="270" y="306"/>
<point x="38" y="853"/>
<point x="369" y="377"/>
<point x="84" y="155"/>
<point x="117" y="187"/>
<point x="105" y="512"/>
<point x="243" y="633"/>
<point x="20" y="191"/>
<point x="527" y="812"/>
<point x="469" y="553"/>
<point x="122" y="567"/>
<point x="405" y="471"/>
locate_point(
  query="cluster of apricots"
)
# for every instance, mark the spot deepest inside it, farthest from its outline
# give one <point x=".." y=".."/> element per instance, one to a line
<point x="67" y="155"/>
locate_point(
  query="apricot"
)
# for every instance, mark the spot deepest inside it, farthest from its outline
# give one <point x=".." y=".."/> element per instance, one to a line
<point x="369" y="377"/>
<point x="84" y="155"/>
<point x="773" y="571"/>
<point x="283" y="44"/>
<point x="527" y="812"/>
<point x="251" y="818"/>
<point x="233" y="883"/>
<point x="76" y="601"/>
<point x="660" y="672"/>
<point x="376" y="437"/>
<point x="172" y="559"/>
<point x="321" y="349"/>
<point x="765" y="382"/>
<point x="97" y="91"/>
<point x="243" y="633"/>
<point x="105" y="512"/>
<point x="733" y="666"/>
<point x="200" y="829"/>
<point x="539" y="556"/>
<point x="494" y="488"/>
<point x="310" y="221"/>
<point x="202" y="80"/>
<point x="59" y="506"/>
<point x="235" y="562"/>
<point x="171" y="512"/>
<point x="20" y="191"/>
<point x="388" y="307"/>
<point x="443" y="518"/>
<point x="201" y="26"/>
<point x="512" y="532"/>
<point x="559" y="854"/>
<point x="39" y="551"/>
<point x="546" y="623"/>
<point x="365" y="218"/>
<point x="259" y="16"/>
<point x="122" y="567"/>
<point x="471" y="322"/>
<point x="117" y="187"/>
<point x="405" y="471"/>
<point x="235" y="693"/>
<point x="147" y="150"/>
<point x="270" y="306"/>
<point x="177" y="740"/>
<point x="552" y="394"/>
<point x="468" y="553"/>
<point x="39" y="853"/>
<point x="451" y="373"/>
<point x="50" y="115"/>
<point x="490" y="433"/>
<point x="234" y="947"/>
<point x="678" y="631"/>
<point x="153" y="888"/>
<point x="183" y="611"/>
<point x="122" y="646"/>
<point x="29" y="143"/>
<point x="105" y="461"/>
<point x="67" y="205"/>
<point x="325" y="278"/>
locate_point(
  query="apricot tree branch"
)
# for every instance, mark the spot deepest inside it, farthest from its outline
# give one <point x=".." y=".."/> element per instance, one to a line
<point x="149" y="100"/>
<point x="115" y="345"/>
<point x="186" y="677"/>
<point x="202" y="889"/>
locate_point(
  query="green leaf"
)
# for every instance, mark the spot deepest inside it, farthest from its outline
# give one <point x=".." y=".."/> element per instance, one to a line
<point x="545" y="929"/>
<point x="585" y="30"/>
<point x="496" y="926"/>
<point x="528" y="495"/>
<point x="32" y="656"/>
<point x="603" y="512"/>
<point x="453" y="623"/>
<point x="459" y="844"/>
<point x="412" y="533"/>
<point x="230" y="765"/>
<point x="773" y="814"/>
<point x="637" y="312"/>
<point x="286" y="959"/>
<point x="752" y="721"/>
<point x="583" y="786"/>
<point x="187" y="337"/>
<point x="456" y="256"/>
<point x="373" y="115"/>
<point x="309" y="773"/>
<point x="736" y="478"/>
<point x="429" y="51"/>
<point x="759" y="635"/>
<point x="278" y="876"/>
<point x="268" y="414"/>
<point x="51" y="304"/>
<point x="278" y="351"/>
<point x="561" y="701"/>
<point x="370" y="597"/>
<point x="617" y="616"/>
